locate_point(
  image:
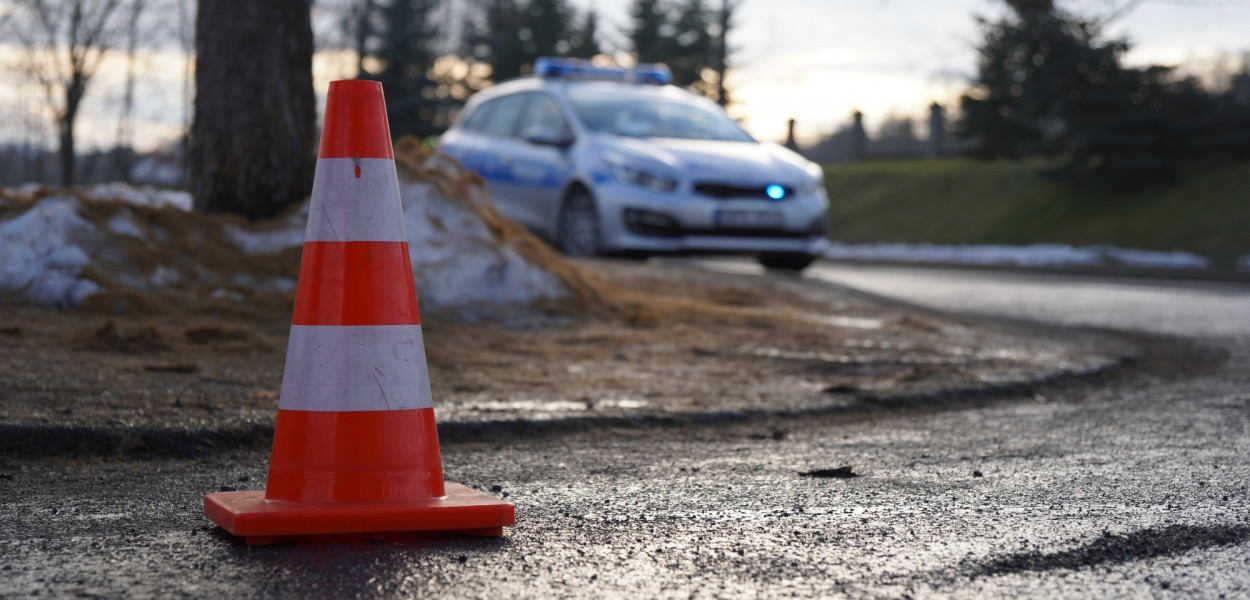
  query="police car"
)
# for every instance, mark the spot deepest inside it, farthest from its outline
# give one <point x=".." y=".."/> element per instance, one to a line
<point x="618" y="161"/>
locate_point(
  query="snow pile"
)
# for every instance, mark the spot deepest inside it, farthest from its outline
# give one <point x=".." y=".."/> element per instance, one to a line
<point x="64" y="248"/>
<point x="139" y="196"/>
<point x="1036" y="255"/>
<point x="44" y="250"/>
<point x="456" y="259"/>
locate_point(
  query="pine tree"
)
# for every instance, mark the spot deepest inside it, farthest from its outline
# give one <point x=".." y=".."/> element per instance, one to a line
<point x="651" y="33"/>
<point x="493" y="37"/>
<point x="546" y="29"/>
<point x="1035" y="69"/>
<point x="692" y="45"/>
<point x="407" y="51"/>
<point x="721" y="49"/>
<point x="585" y="41"/>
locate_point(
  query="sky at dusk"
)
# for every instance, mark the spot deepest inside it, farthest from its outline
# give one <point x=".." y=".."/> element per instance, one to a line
<point x="816" y="61"/>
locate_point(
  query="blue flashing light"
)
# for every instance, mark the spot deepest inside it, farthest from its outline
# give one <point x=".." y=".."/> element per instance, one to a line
<point x="570" y="68"/>
<point x="775" y="192"/>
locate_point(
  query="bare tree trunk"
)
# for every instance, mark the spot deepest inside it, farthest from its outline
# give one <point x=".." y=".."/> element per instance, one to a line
<point x="252" y="140"/>
<point x="123" y="152"/>
<point x="73" y="97"/>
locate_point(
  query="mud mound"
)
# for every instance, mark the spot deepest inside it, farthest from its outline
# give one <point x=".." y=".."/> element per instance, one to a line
<point x="227" y="337"/>
<point x="141" y="250"/>
<point x="130" y="338"/>
<point x="455" y="182"/>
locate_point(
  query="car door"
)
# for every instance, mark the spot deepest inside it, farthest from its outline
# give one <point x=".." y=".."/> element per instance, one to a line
<point x="489" y="147"/>
<point x="542" y="169"/>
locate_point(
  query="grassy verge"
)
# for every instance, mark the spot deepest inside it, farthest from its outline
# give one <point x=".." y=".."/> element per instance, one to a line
<point x="961" y="201"/>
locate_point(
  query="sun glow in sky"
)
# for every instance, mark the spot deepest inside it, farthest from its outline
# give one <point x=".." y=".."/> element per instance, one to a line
<point x="816" y="61"/>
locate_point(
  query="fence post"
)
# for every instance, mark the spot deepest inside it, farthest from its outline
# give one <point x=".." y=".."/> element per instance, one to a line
<point x="936" y="145"/>
<point x="859" y="139"/>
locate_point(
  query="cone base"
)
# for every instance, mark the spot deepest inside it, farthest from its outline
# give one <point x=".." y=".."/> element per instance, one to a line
<point x="461" y="511"/>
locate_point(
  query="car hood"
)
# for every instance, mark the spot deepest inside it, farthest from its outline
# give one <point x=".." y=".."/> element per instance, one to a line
<point x="732" y="162"/>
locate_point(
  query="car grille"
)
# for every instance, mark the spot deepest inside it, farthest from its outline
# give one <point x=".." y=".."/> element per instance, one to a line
<point x="728" y="191"/>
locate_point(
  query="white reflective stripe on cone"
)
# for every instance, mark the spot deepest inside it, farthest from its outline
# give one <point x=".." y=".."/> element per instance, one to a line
<point x="346" y="208"/>
<point x="353" y="368"/>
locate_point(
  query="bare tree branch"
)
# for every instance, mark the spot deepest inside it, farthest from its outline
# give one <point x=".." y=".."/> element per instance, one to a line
<point x="64" y="42"/>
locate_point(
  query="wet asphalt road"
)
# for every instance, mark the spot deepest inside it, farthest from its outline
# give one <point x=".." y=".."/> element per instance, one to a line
<point x="1171" y="307"/>
<point x="1136" y="486"/>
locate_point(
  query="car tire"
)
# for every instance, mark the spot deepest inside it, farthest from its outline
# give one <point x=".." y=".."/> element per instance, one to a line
<point x="577" y="233"/>
<point x="793" y="262"/>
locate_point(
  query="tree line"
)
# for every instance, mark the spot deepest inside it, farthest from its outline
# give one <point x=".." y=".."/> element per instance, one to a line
<point x="253" y="67"/>
<point x="430" y="55"/>
<point x="1050" y="83"/>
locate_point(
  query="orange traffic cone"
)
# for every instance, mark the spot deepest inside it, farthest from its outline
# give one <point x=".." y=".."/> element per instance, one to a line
<point x="355" y="450"/>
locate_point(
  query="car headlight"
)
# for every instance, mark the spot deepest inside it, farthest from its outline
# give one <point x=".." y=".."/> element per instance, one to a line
<point x="652" y="181"/>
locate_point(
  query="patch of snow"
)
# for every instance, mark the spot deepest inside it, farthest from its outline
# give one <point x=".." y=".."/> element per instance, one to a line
<point x="456" y="261"/>
<point x="1035" y="255"/>
<point x="164" y="276"/>
<point x="1243" y="263"/>
<point x="266" y="284"/>
<point x="42" y="256"/>
<point x="28" y="188"/>
<point x="123" y="223"/>
<point x="139" y="196"/>
<point x="224" y="294"/>
<point x="1154" y="258"/>
<point x="267" y="241"/>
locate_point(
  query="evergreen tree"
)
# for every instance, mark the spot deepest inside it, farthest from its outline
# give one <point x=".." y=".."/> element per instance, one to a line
<point x="510" y="35"/>
<point x="494" y="37"/>
<point x="407" y="51"/>
<point x="585" y="41"/>
<point x="1048" y="85"/>
<point x="546" y="29"/>
<point x="651" y="33"/>
<point x="691" y="44"/>
<point x="720" y="47"/>
<point x="1036" y="70"/>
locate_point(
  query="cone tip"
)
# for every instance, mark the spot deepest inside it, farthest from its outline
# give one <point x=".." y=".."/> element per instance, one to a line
<point x="355" y="121"/>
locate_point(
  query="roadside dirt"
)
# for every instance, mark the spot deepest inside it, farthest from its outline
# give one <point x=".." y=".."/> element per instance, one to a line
<point x="687" y="342"/>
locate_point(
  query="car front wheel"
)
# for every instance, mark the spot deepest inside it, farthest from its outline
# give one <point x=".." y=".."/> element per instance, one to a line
<point x="786" y="262"/>
<point x="578" y="230"/>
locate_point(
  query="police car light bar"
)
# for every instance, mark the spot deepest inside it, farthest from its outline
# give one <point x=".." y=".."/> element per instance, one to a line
<point x="571" y="68"/>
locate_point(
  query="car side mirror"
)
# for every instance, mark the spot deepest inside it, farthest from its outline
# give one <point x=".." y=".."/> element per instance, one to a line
<point x="540" y="135"/>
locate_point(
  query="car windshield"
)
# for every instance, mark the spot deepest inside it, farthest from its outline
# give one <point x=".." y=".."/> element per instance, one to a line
<point x="647" y="116"/>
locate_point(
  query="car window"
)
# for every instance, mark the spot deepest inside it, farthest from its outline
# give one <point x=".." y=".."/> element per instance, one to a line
<point x="647" y="116"/>
<point x="473" y="121"/>
<point x="501" y="115"/>
<point x="542" y="112"/>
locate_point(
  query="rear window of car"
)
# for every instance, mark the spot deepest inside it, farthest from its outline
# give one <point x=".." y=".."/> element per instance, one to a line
<point x="496" y="117"/>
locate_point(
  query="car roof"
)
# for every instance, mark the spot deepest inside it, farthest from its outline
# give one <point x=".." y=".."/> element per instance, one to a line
<point x="560" y="86"/>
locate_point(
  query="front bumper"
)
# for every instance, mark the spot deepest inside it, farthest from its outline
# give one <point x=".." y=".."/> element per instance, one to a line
<point x="634" y="219"/>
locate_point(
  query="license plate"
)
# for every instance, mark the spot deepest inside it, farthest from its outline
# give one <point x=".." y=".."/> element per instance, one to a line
<point x="749" y="219"/>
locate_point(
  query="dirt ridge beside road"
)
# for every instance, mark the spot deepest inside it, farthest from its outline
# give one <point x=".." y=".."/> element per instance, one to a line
<point x="21" y="441"/>
<point x="706" y="348"/>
